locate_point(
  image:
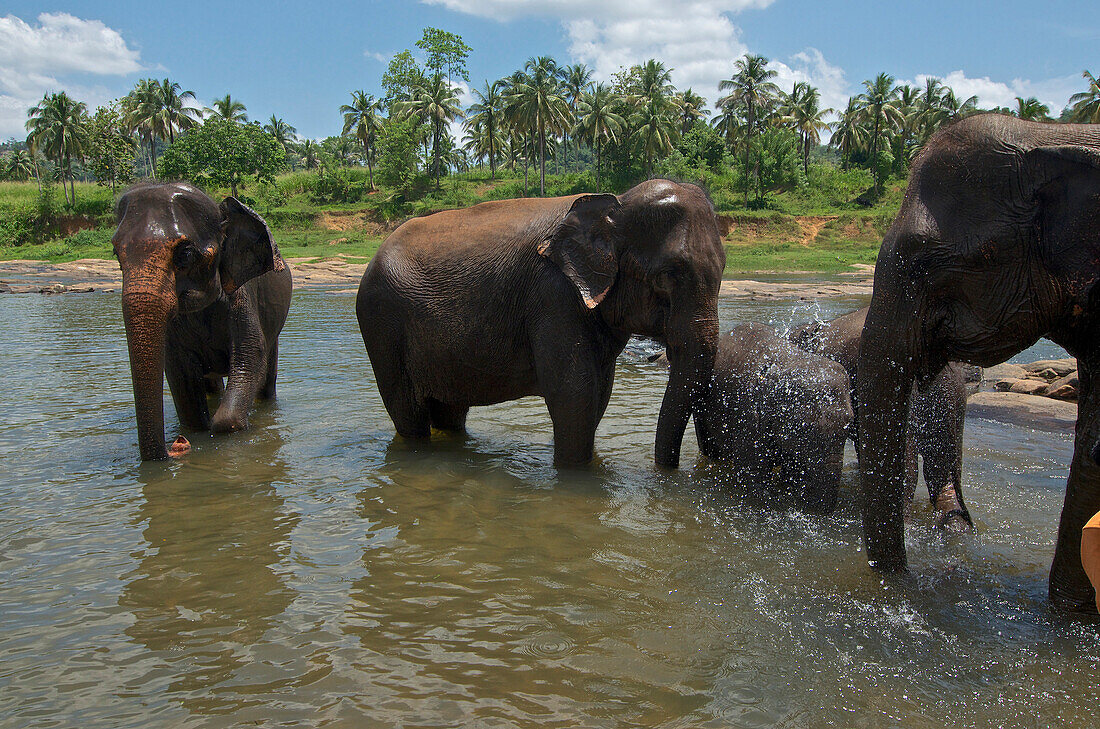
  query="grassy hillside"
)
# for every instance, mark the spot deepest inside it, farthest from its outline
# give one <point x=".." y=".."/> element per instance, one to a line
<point x="815" y="226"/>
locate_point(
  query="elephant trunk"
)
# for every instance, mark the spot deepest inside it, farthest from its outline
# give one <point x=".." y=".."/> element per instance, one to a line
<point x="691" y="352"/>
<point x="886" y="375"/>
<point x="146" y="318"/>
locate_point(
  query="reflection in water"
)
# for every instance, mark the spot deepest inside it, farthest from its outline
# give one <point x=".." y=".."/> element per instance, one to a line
<point x="208" y="584"/>
<point x="319" y="570"/>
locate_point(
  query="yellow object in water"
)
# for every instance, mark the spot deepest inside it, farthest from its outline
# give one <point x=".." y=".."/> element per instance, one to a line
<point x="1090" y="553"/>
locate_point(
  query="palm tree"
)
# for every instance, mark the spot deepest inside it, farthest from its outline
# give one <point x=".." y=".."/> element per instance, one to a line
<point x="536" y="101"/>
<point x="311" y="154"/>
<point x="284" y="133"/>
<point x="848" y="133"/>
<point x="576" y="80"/>
<point x="435" y="101"/>
<point x="362" y="116"/>
<point x="907" y="141"/>
<point x="598" y="121"/>
<point x="749" y="88"/>
<point x="58" y="126"/>
<point x="484" y="123"/>
<point x="19" y="166"/>
<point x="1085" y="106"/>
<point x="654" y="80"/>
<point x="1032" y="109"/>
<point x="172" y="114"/>
<point x="228" y="108"/>
<point x="803" y="113"/>
<point x="655" y="129"/>
<point x="880" y="111"/>
<point x="693" y="108"/>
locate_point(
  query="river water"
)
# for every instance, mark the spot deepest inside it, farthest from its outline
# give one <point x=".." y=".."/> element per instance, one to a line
<point x="317" y="571"/>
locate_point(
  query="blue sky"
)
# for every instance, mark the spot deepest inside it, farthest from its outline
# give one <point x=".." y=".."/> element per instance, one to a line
<point x="301" y="65"/>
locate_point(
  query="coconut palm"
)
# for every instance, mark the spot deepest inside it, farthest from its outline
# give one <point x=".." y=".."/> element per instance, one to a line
<point x="19" y="166"/>
<point x="752" y="89"/>
<point x="172" y="115"/>
<point x="310" y="152"/>
<point x="654" y="80"/>
<point x="908" y="138"/>
<point x="58" y="126"/>
<point x="598" y="122"/>
<point x="284" y="133"/>
<point x="879" y="110"/>
<point x="802" y="112"/>
<point x="361" y="115"/>
<point x="1031" y="109"/>
<point x="576" y="80"/>
<point x="228" y="108"/>
<point x="693" y="108"/>
<point x="1085" y="106"/>
<point x="848" y="132"/>
<point x="484" y="123"/>
<point x="536" y="101"/>
<point x="435" y="101"/>
<point x="656" y="128"/>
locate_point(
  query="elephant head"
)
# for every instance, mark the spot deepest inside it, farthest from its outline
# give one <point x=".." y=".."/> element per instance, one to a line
<point x="650" y="262"/>
<point x="996" y="244"/>
<point x="179" y="252"/>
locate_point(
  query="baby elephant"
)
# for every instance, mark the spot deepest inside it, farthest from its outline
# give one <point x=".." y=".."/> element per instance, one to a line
<point x="936" y="416"/>
<point x="778" y="413"/>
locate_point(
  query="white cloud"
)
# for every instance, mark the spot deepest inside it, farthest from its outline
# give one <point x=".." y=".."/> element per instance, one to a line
<point x="376" y="56"/>
<point x="35" y="59"/>
<point x="1053" y="92"/>
<point x="601" y="10"/>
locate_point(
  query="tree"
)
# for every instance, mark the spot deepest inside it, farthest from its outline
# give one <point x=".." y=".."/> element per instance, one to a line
<point x="484" y="122"/>
<point x="18" y="165"/>
<point x="749" y="88"/>
<point x="536" y="101"/>
<point x="397" y="143"/>
<point x="361" y="118"/>
<point x="110" y="148"/>
<point x="223" y="153"/>
<point x="447" y="53"/>
<point x="436" y="103"/>
<point x="598" y="122"/>
<point x="1031" y="109"/>
<point x="655" y="129"/>
<point x="229" y="109"/>
<point x="282" y="132"/>
<point x="1085" y="106"/>
<point x="58" y="126"/>
<point x="311" y="154"/>
<point x="576" y="80"/>
<point x="693" y="108"/>
<point x="402" y="76"/>
<point x="878" y="109"/>
<point x="803" y="113"/>
<point x="848" y="134"/>
<point x="158" y="110"/>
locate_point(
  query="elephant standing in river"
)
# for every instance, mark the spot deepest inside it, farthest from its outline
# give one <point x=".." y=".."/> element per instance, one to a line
<point x="936" y="416"/>
<point x="996" y="244"/>
<point x="538" y="297"/>
<point x="205" y="294"/>
<point x="778" y="413"/>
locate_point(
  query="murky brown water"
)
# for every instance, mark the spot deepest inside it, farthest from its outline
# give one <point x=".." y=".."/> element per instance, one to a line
<point x="314" y="571"/>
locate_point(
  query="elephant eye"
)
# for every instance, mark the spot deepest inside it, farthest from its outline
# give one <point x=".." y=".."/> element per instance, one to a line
<point x="186" y="257"/>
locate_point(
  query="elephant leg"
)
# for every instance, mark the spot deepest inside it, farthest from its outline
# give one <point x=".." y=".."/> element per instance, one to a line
<point x="247" y="368"/>
<point x="447" y="417"/>
<point x="188" y="387"/>
<point x="410" y="415"/>
<point x="1069" y="586"/>
<point x="267" y="392"/>
<point x="214" y="385"/>
<point x="943" y="476"/>
<point x="576" y="401"/>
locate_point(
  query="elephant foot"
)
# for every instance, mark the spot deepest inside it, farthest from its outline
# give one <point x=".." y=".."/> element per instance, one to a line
<point x="1073" y="601"/>
<point x="229" y="423"/>
<point x="180" y="447"/>
<point x="956" y="521"/>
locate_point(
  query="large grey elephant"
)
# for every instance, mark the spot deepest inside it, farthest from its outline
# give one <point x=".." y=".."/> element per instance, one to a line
<point x="205" y="294"/>
<point x="937" y="415"/>
<point x="779" y="414"/>
<point x="997" y="244"/>
<point x="538" y="297"/>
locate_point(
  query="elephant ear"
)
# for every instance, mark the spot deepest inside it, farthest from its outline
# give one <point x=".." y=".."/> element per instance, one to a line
<point x="248" y="249"/>
<point x="583" y="246"/>
<point x="1063" y="178"/>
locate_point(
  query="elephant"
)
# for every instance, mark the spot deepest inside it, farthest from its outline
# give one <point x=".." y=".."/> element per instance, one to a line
<point x="779" y="413"/>
<point x="538" y="297"/>
<point x="996" y="244"/>
<point x="205" y="293"/>
<point x="936" y="416"/>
